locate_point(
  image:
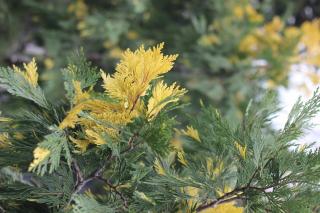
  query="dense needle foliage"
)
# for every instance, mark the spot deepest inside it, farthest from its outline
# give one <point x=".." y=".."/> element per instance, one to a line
<point x="114" y="144"/>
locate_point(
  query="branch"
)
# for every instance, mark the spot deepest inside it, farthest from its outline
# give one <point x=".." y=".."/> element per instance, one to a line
<point x="114" y="188"/>
<point x="81" y="182"/>
<point x="99" y="171"/>
<point x="233" y="195"/>
<point x="131" y="146"/>
<point x="79" y="187"/>
<point x="227" y="197"/>
<point x="256" y="171"/>
<point x="78" y="173"/>
<point x="134" y="104"/>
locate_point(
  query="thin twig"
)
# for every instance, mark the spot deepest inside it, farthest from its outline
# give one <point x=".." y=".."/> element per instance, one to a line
<point x="229" y="195"/>
<point x="114" y="188"/>
<point x="78" y="172"/>
<point x="81" y="182"/>
<point x="234" y="194"/>
<point x="131" y="146"/>
<point x="99" y="171"/>
<point x="224" y="198"/>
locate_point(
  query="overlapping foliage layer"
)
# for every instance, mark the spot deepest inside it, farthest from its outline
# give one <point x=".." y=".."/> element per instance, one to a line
<point x="118" y="138"/>
<point x="113" y="146"/>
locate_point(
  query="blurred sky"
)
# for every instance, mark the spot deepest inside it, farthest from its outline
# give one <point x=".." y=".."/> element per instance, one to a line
<point x="300" y="85"/>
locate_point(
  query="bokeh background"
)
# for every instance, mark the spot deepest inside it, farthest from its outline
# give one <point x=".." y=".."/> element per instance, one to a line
<point x="230" y="51"/>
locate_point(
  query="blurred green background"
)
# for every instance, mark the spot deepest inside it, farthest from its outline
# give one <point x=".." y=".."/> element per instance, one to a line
<point x="229" y="50"/>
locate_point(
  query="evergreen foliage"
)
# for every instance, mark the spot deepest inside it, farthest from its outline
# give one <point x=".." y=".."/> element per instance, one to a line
<point x="226" y="57"/>
<point x="121" y="150"/>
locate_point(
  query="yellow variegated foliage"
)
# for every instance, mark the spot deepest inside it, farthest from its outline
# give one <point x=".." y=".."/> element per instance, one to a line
<point x="229" y="207"/>
<point x="158" y="167"/>
<point x="79" y="8"/>
<point x="256" y="41"/>
<point x="215" y="170"/>
<point x="191" y="132"/>
<point x="302" y="147"/>
<point x="279" y="36"/>
<point x="127" y="85"/>
<point x="193" y="192"/>
<point x="80" y="144"/>
<point x="311" y="34"/>
<point x="311" y="40"/>
<point x="39" y="154"/>
<point x="292" y="32"/>
<point x="209" y="162"/>
<point x="247" y="12"/>
<point x="99" y="110"/>
<point x="280" y="44"/>
<point x="242" y="150"/>
<point x="72" y="118"/>
<point x="79" y="95"/>
<point x="181" y="158"/>
<point x="30" y="72"/>
<point x="4" y="140"/>
<point x="249" y="44"/>
<point x="176" y="141"/>
<point x="144" y="197"/>
<point x="161" y="96"/>
<point x="224" y="190"/>
<point x="95" y="137"/>
<point x="135" y="72"/>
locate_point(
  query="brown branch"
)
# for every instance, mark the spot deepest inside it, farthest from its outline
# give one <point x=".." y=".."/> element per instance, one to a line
<point x="227" y="197"/>
<point x="78" y="173"/>
<point x="51" y="193"/>
<point x="114" y="188"/>
<point x="99" y="171"/>
<point x="81" y="182"/>
<point x="131" y="146"/>
<point x="79" y="187"/>
<point x="234" y="194"/>
<point x="134" y="104"/>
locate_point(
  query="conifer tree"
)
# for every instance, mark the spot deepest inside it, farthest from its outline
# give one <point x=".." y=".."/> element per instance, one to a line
<point x="114" y="144"/>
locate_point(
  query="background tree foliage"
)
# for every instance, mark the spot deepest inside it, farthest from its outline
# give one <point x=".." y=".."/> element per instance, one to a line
<point x="75" y="139"/>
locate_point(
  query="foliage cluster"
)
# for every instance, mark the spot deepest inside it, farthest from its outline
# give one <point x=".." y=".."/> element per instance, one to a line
<point x="226" y="57"/>
<point x="117" y="150"/>
<point x="118" y="137"/>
